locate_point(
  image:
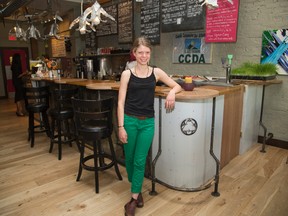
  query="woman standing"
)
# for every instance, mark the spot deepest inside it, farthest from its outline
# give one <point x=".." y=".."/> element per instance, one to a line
<point x="136" y="115"/>
<point x="16" y="68"/>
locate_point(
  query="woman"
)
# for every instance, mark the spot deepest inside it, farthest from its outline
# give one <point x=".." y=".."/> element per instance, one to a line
<point x="136" y="115"/>
<point x="17" y="75"/>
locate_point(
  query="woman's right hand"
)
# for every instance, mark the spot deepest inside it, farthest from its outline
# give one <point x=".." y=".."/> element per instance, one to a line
<point x="122" y="135"/>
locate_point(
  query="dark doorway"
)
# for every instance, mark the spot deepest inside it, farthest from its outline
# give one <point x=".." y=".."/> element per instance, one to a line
<point x="6" y="53"/>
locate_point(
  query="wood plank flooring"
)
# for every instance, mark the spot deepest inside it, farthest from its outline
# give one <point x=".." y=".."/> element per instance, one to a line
<point x="34" y="182"/>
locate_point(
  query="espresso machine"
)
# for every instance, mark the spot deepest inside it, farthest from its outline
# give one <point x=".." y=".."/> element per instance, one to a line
<point x="86" y="68"/>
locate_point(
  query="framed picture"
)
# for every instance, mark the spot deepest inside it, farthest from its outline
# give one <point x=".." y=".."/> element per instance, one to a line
<point x="275" y="49"/>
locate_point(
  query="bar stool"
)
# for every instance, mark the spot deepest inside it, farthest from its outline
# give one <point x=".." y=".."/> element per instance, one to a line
<point x="62" y="119"/>
<point x="93" y="120"/>
<point x="37" y="101"/>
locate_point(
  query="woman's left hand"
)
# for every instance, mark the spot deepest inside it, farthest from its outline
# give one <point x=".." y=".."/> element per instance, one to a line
<point x="170" y="100"/>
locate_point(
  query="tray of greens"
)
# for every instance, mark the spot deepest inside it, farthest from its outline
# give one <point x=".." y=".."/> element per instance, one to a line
<point x="254" y="71"/>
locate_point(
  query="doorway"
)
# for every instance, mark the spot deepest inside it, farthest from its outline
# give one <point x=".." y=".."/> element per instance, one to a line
<point x="6" y="53"/>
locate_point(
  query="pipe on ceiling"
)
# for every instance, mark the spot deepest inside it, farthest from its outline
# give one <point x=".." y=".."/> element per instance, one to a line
<point x="11" y="7"/>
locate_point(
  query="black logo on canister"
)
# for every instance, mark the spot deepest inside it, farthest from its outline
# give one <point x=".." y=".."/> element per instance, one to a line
<point x="189" y="126"/>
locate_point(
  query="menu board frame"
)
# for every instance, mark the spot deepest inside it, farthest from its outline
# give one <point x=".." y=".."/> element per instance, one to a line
<point x="110" y="27"/>
<point x="150" y="20"/>
<point x="90" y="40"/>
<point x="125" y="22"/>
<point x="182" y="15"/>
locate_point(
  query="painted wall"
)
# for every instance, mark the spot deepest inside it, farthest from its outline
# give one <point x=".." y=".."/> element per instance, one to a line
<point x="254" y="17"/>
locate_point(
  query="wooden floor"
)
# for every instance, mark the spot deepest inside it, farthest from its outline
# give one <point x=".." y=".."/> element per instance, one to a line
<point x="34" y="182"/>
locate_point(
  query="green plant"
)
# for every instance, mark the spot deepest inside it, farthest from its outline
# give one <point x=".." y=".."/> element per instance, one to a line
<point x="255" y="69"/>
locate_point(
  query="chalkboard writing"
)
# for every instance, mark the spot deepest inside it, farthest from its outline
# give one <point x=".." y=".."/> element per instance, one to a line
<point x="179" y="15"/>
<point x="108" y="27"/>
<point x="150" y="20"/>
<point x="90" y="40"/>
<point x="125" y="21"/>
<point x="221" y="23"/>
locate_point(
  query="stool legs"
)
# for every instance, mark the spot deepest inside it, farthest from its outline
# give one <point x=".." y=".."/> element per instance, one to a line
<point x="81" y="150"/>
<point x="114" y="158"/>
<point x="31" y="126"/>
<point x="46" y="123"/>
<point x="60" y="134"/>
<point x="31" y="129"/>
<point x="98" y="158"/>
<point x="59" y="131"/>
<point x="96" y="165"/>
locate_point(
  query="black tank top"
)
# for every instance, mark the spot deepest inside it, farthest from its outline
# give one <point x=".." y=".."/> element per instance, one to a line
<point x="140" y="96"/>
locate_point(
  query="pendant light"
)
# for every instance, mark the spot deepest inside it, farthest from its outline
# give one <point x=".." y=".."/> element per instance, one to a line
<point x="90" y="17"/>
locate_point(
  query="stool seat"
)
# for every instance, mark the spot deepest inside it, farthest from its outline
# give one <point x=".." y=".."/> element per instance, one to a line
<point x="62" y="123"/>
<point x="93" y="121"/>
<point x="63" y="113"/>
<point x="97" y="126"/>
<point x="37" y="107"/>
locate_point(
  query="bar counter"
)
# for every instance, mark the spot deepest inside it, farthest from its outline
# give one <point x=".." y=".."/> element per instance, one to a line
<point x="197" y="93"/>
<point x="193" y="141"/>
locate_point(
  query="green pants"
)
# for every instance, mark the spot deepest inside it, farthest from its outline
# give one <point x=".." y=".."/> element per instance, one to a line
<point x="140" y="135"/>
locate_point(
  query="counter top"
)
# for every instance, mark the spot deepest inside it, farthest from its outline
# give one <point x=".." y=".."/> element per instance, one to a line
<point x="202" y="92"/>
<point x="223" y="90"/>
<point x="86" y="83"/>
<point x="197" y="93"/>
<point x="104" y="86"/>
<point x="57" y="80"/>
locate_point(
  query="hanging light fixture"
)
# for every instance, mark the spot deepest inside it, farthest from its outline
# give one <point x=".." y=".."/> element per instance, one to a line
<point x="33" y="32"/>
<point x="212" y="4"/>
<point x="18" y="32"/>
<point x="95" y="12"/>
<point x="54" y="29"/>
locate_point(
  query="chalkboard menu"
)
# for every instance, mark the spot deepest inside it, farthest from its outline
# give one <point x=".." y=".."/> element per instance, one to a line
<point x="221" y="23"/>
<point x="90" y="40"/>
<point x="125" y="22"/>
<point x="109" y="27"/>
<point x="150" y="20"/>
<point x="179" y="15"/>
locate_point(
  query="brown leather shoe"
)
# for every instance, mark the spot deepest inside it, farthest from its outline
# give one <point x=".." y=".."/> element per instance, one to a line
<point x="140" y="201"/>
<point x="130" y="207"/>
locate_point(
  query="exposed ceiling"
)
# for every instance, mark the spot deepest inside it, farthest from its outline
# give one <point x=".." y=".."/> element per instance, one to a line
<point x="38" y="10"/>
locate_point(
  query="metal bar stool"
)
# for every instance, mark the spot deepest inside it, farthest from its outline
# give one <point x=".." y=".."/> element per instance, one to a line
<point x="62" y="119"/>
<point x="93" y="121"/>
<point x="37" y="101"/>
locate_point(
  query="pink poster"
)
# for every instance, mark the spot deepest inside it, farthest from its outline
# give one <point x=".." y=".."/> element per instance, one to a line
<point x="221" y="23"/>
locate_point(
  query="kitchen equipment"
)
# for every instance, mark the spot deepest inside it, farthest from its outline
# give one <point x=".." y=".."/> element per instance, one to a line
<point x="89" y="67"/>
<point x="105" y="66"/>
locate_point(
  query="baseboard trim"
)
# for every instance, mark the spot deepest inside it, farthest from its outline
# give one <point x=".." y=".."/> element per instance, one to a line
<point x="274" y="142"/>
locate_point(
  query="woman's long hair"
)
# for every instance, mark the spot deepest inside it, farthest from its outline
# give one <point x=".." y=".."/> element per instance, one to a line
<point x="16" y="65"/>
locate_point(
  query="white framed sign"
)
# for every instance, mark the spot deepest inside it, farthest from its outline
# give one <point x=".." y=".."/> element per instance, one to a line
<point x="190" y="48"/>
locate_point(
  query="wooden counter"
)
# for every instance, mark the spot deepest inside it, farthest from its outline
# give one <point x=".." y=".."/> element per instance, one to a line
<point x="104" y="86"/>
<point x="197" y="93"/>
<point x="256" y="82"/>
<point x="86" y="83"/>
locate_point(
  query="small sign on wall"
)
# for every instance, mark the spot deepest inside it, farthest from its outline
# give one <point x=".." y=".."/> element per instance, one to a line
<point x="190" y="48"/>
<point x="222" y="22"/>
